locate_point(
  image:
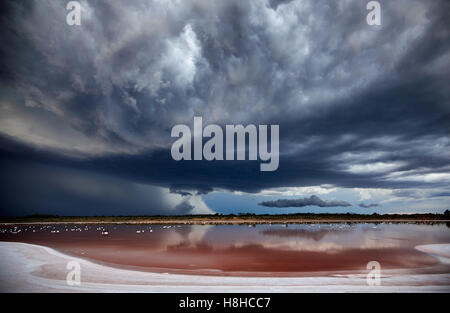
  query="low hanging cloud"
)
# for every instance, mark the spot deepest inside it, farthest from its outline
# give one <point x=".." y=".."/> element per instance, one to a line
<point x="368" y="206"/>
<point x="180" y="192"/>
<point x="298" y="203"/>
<point x="31" y="188"/>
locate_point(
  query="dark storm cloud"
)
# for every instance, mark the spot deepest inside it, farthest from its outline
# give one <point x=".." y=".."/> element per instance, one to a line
<point x="299" y="203"/>
<point x="29" y="188"/>
<point x="180" y="192"/>
<point x="368" y="206"/>
<point x="183" y="208"/>
<point x="440" y="194"/>
<point x="357" y="106"/>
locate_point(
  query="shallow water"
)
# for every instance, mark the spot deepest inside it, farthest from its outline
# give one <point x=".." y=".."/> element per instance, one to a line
<point x="285" y="250"/>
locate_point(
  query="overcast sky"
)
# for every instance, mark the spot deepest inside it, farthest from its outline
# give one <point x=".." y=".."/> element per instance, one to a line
<point x="86" y="111"/>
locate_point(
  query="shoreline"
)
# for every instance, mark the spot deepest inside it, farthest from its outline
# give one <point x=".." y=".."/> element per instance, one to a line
<point x="35" y="268"/>
<point x="233" y="250"/>
<point x="227" y="221"/>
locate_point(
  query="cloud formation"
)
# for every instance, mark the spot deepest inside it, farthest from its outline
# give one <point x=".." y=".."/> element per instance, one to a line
<point x="368" y="206"/>
<point x="29" y="188"/>
<point x="298" y="203"/>
<point x="358" y="106"/>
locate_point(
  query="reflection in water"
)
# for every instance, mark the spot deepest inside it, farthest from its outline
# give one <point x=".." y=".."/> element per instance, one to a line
<point x="233" y="249"/>
<point x="317" y="235"/>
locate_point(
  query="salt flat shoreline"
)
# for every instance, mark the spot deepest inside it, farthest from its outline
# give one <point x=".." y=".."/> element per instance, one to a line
<point x="232" y="222"/>
<point x="33" y="268"/>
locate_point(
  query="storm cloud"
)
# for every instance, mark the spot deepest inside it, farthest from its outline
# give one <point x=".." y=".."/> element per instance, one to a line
<point x="298" y="203"/>
<point x="30" y="189"/>
<point x="358" y="106"/>
<point x="368" y="206"/>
